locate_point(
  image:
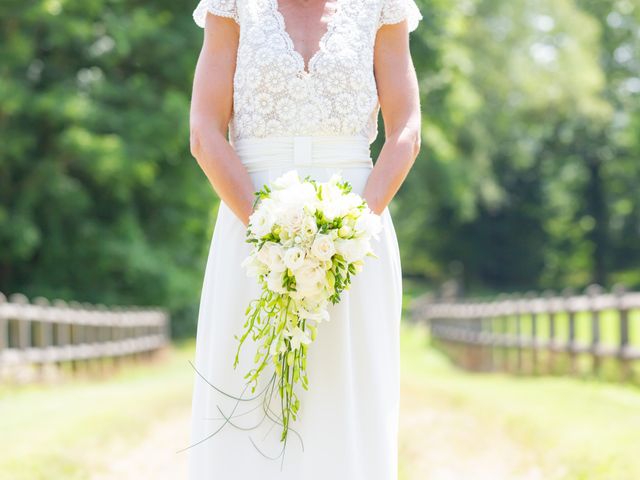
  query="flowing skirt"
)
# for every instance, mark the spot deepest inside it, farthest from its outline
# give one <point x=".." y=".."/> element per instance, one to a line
<point x="347" y="425"/>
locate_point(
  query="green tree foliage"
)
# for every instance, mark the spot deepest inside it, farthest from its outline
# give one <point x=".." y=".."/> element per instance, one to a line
<point x="527" y="178"/>
<point x="523" y="179"/>
<point x="100" y="199"/>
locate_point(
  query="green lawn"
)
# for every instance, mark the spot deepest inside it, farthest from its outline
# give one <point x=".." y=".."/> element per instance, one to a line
<point x="57" y="432"/>
<point x="576" y="429"/>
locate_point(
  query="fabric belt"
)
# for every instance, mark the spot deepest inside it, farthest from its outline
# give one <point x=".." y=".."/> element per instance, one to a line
<point x="339" y="151"/>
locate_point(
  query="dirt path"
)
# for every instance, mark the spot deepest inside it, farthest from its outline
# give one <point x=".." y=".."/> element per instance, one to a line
<point x="437" y="442"/>
<point x="155" y="458"/>
<point x="441" y="442"/>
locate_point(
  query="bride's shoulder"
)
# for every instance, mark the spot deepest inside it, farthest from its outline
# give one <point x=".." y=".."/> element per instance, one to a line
<point x="394" y="11"/>
<point x="223" y="8"/>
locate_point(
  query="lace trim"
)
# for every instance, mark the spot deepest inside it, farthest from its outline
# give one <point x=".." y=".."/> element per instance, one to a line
<point x="394" y="11"/>
<point x="216" y="7"/>
<point x="331" y="26"/>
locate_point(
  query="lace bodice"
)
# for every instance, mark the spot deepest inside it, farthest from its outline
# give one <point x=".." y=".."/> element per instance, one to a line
<point x="336" y="94"/>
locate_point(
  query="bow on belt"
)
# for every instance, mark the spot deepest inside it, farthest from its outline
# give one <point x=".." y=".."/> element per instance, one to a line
<point x="341" y="151"/>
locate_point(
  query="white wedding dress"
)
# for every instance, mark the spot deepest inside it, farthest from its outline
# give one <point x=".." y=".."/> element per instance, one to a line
<point x="318" y="118"/>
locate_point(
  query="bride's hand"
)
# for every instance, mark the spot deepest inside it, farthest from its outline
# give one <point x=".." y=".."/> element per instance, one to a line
<point x="374" y="208"/>
<point x="245" y="220"/>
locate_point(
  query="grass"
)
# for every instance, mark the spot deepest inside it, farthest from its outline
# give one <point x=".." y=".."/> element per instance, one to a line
<point x="56" y="431"/>
<point x="574" y="429"/>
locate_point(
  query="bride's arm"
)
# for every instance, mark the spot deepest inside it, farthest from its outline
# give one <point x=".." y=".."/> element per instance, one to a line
<point x="211" y="106"/>
<point x="400" y="106"/>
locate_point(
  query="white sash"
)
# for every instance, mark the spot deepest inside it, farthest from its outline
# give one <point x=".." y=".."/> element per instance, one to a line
<point x="339" y="151"/>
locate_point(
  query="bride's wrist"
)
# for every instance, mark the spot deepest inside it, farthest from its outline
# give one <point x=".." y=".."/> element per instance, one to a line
<point x="377" y="209"/>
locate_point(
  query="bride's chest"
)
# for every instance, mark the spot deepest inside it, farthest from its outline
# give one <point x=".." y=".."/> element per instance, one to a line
<point x="266" y="51"/>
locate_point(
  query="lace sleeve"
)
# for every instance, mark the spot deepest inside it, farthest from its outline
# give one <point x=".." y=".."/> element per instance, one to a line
<point x="394" y="11"/>
<point x="223" y="8"/>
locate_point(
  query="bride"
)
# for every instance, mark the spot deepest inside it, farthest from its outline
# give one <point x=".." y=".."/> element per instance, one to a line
<point x="298" y="84"/>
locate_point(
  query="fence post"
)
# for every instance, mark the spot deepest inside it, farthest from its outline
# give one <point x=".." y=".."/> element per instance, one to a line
<point x="42" y="338"/>
<point x="548" y="296"/>
<point x="22" y="330"/>
<point x="4" y="339"/>
<point x="530" y="297"/>
<point x="623" y="347"/>
<point x="502" y="320"/>
<point x="519" y="313"/>
<point x="593" y="291"/>
<point x="571" y="342"/>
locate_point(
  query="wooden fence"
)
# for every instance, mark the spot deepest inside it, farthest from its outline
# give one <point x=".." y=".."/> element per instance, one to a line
<point x="47" y="335"/>
<point x="521" y="333"/>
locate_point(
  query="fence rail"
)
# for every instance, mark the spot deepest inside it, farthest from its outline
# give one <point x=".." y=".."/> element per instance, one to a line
<point x="44" y="333"/>
<point x="483" y="334"/>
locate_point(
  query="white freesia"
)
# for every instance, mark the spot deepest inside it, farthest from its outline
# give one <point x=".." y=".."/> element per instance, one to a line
<point x="253" y="266"/>
<point x="261" y="221"/>
<point x="285" y="181"/>
<point x="345" y="231"/>
<point x="309" y="227"/>
<point x="272" y="255"/>
<point x="297" y="336"/>
<point x="321" y="315"/>
<point x="298" y="195"/>
<point x="275" y="282"/>
<point x="369" y="225"/>
<point x="353" y="249"/>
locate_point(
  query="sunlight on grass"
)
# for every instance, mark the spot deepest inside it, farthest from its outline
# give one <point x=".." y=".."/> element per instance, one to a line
<point x="58" y="431"/>
<point x="576" y="428"/>
<point x="547" y="428"/>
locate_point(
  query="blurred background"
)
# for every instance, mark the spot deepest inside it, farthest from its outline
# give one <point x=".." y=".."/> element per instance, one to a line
<point x="525" y="195"/>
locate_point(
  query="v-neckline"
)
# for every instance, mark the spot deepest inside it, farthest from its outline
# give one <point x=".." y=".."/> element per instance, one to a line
<point x="307" y="69"/>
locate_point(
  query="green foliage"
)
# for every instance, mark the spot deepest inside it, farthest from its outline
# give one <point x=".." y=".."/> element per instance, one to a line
<point x="529" y="159"/>
<point x="527" y="176"/>
<point x="100" y="199"/>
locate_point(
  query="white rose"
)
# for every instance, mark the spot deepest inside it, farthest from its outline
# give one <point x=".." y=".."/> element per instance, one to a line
<point x="323" y="247"/>
<point x="310" y="279"/>
<point x="294" y="258"/>
<point x="292" y="219"/>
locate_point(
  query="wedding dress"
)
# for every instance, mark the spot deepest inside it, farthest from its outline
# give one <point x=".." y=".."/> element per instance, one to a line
<point x="318" y="118"/>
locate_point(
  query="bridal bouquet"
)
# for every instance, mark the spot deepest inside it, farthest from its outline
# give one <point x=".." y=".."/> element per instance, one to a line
<point x="309" y="239"/>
